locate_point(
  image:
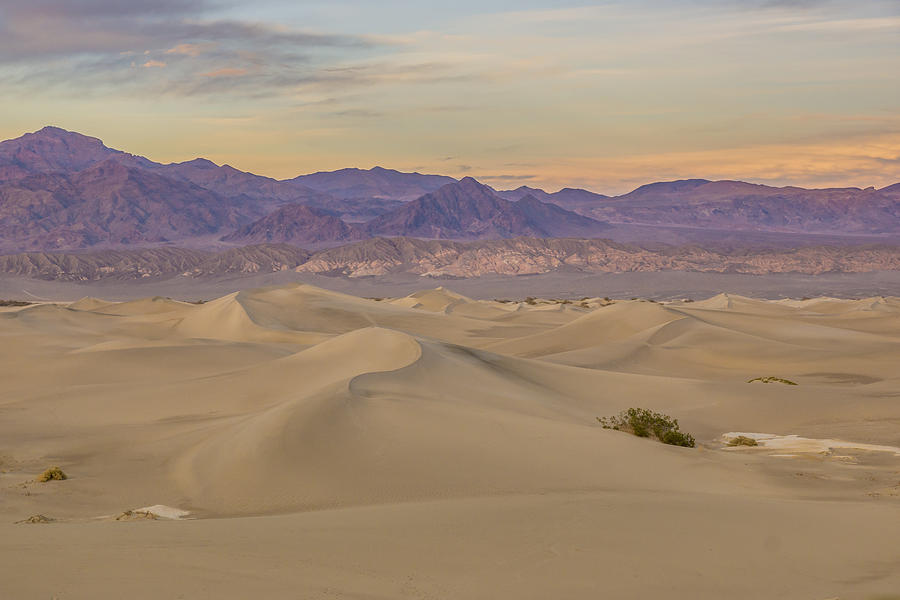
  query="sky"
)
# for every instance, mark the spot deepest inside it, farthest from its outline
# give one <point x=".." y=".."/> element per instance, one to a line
<point x="601" y="95"/>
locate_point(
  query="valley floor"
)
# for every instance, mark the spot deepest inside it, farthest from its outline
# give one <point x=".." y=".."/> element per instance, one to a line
<point x="659" y="285"/>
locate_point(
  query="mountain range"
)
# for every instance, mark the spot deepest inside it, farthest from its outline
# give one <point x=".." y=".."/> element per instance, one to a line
<point x="63" y="191"/>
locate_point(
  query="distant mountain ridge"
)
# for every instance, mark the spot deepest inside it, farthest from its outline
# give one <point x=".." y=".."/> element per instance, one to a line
<point x="573" y="199"/>
<point x="63" y="190"/>
<point x="470" y="210"/>
<point x="376" y="182"/>
<point x="110" y="203"/>
<point x="37" y="171"/>
<point x="737" y="205"/>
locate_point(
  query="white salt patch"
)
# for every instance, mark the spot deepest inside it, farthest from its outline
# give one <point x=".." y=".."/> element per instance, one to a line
<point x="795" y="443"/>
<point x="166" y="512"/>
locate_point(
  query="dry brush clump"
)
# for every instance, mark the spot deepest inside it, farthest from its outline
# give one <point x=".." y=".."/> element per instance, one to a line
<point x="52" y="474"/>
<point x="646" y="423"/>
<point x="36" y="519"/>
<point x="772" y="379"/>
<point x="15" y="303"/>
<point x="742" y="440"/>
<point x="137" y="515"/>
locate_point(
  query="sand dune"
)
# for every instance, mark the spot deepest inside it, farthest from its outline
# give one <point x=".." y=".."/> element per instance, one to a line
<point x="326" y="445"/>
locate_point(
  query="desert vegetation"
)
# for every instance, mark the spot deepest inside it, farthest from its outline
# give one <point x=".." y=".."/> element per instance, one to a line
<point x="771" y="379"/>
<point x="742" y="440"/>
<point x="35" y="519"/>
<point x="52" y="474"/>
<point x="136" y="515"/>
<point x="15" y="303"/>
<point x="643" y="422"/>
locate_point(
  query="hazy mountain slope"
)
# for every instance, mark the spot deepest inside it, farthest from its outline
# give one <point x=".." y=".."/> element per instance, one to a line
<point x="377" y="182"/>
<point x="576" y="200"/>
<point x="296" y="224"/>
<point x="49" y="201"/>
<point x="468" y="209"/>
<point x="735" y="205"/>
<point x="228" y="181"/>
<point x="110" y="203"/>
<point x="53" y="150"/>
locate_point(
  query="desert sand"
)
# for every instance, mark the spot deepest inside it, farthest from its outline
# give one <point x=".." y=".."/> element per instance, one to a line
<point x="293" y="442"/>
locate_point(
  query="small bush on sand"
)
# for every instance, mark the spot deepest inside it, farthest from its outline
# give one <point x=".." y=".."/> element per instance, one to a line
<point x="742" y="440"/>
<point x="646" y="423"/>
<point x="678" y="438"/>
<point x="52" y="474"/>
<point x="771" y="379"/>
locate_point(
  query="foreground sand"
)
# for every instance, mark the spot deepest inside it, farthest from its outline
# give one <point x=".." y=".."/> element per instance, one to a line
<point x="433" y="446"/>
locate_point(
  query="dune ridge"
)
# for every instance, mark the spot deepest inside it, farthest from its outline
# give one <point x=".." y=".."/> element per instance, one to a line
<point x="296" y="409"/>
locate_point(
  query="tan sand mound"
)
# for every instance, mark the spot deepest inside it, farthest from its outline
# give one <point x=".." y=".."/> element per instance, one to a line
<point x="439" y="299"/>
<point x="392" y="435"/>
<point x="147" y="306"/>
<point x="460" y="441"/>
<point x="227" y="318"/>
<point x="602" y="326"/>
<point x="90" y="304"/>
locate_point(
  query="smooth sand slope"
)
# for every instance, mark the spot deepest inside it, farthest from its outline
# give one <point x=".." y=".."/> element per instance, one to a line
<point x="434" y="446"/>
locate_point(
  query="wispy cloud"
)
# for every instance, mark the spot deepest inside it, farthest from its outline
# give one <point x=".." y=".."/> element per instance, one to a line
<point x="843" y="25"/>
<point x="89" y="45"/>
<point x="190" y="49"/>
<point x="226" y="72"/>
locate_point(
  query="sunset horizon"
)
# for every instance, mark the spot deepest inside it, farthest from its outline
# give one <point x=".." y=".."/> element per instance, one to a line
<point x="651" y="91"/>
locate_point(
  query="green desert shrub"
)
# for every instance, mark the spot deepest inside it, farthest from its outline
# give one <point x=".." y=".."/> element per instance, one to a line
<point x="742" y="440"/>
<point x="646" y="423"/>
<point x="678" y="438"/>
<point x="52" y="474"/>
<point x="771" y="379"/>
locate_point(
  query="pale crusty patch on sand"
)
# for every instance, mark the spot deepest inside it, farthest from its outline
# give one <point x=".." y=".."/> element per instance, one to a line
<point x="166" y="512"/>
<point x="795" y="443"/>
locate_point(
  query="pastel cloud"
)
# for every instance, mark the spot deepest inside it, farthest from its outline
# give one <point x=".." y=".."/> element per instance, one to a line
<point x="188" y="49"/>
<point x="226" y="72"/>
